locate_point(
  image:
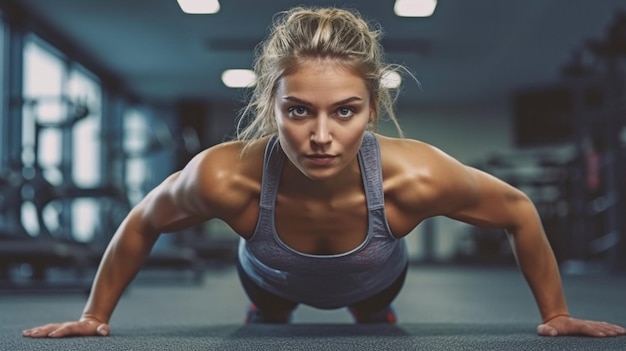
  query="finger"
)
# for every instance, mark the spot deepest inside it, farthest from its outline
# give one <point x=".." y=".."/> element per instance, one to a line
<point x="606" y="329"/>
<point x="546" y="330"/>
<point x="593" y="329"/>
<point x="610" y="329"/>
<point x="40" y="332"/>
<point x="74" y="329"/>
<point x="103" y="330"/>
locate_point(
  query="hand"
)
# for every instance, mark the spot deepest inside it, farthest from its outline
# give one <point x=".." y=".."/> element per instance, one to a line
<point x="565" y="325"/>
<point x="83" y="327"/>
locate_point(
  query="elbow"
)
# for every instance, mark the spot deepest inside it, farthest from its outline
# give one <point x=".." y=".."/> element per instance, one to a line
<point x="141" y="221"/>
<point x="524" y="215"/>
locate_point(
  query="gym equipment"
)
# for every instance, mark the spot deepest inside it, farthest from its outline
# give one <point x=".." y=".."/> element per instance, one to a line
<point x="599" y="233"/>
<point x="39" y="252"/>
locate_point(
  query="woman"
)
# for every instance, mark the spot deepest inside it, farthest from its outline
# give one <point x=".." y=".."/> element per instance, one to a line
<point x="322" y="204"/>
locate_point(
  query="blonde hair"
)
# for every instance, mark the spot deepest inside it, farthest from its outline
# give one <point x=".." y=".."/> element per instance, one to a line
<point x="306" y="32"/>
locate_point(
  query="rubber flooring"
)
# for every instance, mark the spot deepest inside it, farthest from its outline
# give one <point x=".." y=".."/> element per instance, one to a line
<point x="439" y="308"/>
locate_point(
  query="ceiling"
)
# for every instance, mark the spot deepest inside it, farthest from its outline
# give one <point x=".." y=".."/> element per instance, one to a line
<point x="478" y="50"/>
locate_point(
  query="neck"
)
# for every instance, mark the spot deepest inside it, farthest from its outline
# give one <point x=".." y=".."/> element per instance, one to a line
<point x="294" y="182"/>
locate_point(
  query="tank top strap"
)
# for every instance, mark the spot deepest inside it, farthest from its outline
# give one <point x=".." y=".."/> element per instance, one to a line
<point x="371" y="170"/>
<point x="272" y="166"/>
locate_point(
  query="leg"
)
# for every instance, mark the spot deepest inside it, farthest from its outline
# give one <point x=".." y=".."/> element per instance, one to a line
<point x="378" y="309"/>
<point x="266" y="307"/>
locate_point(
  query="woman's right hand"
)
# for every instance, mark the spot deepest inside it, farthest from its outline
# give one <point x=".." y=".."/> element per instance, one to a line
<point x="83" y="327"/>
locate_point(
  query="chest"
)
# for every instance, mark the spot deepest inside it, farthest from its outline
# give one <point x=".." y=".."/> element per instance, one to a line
<point x="322" y="227"/>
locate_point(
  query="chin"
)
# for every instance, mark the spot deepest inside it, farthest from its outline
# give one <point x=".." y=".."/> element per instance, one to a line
<point x="319" y="174"/>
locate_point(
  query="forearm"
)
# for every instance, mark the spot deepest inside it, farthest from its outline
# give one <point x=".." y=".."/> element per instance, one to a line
<point x="538" y="265"/>
<point x="120" y="263"/>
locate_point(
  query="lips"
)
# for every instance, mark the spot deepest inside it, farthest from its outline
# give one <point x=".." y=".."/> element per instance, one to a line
<point x="321" y="159"/>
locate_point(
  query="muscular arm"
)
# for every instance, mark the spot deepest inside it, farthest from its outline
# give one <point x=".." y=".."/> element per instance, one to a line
<point x="165" y="209"/>
<point x="451" y="189"/>
<point x="487" y="201"/>
<point x="186" y="198"/>
<point x="433" y="184"/>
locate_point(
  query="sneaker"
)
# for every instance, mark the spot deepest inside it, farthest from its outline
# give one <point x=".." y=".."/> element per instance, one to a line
<point x="255" y="316"/>
<point x="385" y="316"/>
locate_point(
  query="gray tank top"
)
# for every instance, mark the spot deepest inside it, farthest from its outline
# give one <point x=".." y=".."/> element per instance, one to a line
<point x="324" y="281"/>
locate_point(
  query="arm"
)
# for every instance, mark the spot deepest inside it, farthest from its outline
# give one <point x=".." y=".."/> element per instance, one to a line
<point x="160" y="211"/>
<point x="491" y="202"/>
<point x="488" y="201"/>
<point x="181" y="201"/>
<point x="440" y="185"/>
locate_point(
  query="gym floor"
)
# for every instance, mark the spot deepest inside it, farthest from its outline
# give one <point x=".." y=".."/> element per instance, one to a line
<point x="440" y="308"/>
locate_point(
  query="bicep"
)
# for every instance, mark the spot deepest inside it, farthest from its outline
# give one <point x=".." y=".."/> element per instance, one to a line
<point x="484" y="200"/>
<point x="177" y="203"/>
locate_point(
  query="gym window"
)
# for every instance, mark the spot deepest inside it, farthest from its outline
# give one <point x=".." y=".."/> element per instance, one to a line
<point x="58" y="141"/>
<point x="136" y="143"/>
<point x="41" y="149"/>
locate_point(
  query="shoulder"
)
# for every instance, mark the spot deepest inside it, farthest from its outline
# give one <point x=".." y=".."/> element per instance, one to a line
<point x="223" y="161"/>
<point x="414" y="158"/>
<point x="227" y="176"/>
<point x="420" y="176"/>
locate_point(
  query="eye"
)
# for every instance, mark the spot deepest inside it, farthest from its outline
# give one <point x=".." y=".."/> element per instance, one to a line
<point x="298" y="111"/>
<point x="345" y="112"/>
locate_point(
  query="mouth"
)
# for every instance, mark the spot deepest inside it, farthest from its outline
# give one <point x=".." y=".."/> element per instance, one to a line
<point x="320" y="159"/>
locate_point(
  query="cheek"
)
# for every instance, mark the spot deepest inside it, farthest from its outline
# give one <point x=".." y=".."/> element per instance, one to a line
<point x="288" y="130"/>
<point x="355" y="140"/>
<point x="290" y="136"/>
<point x="350" y="138"/>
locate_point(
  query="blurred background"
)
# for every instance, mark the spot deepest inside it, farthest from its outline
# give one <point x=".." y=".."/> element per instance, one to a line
<point x="101" y="100"/>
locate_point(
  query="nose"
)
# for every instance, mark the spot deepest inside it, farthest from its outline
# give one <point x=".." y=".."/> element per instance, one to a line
<point x="320" y="134"/>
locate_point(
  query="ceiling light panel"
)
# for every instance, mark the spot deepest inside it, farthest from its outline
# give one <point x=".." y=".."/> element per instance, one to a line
<point x="199" y="7"/>
<point x="415" y="8"/>
<point x="239" y="78"/>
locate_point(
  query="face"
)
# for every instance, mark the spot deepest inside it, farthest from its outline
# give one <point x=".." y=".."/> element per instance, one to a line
<point x="322" y="111"/>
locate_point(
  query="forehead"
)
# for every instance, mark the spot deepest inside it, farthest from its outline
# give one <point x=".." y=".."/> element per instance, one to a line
<point x="322" y="78"/>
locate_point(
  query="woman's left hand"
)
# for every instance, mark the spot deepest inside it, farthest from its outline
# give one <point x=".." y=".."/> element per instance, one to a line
<point x="565" y="325"/>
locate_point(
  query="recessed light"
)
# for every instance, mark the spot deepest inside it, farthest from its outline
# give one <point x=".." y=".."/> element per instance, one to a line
<point x="199" y="7"/>
<point x="415" y="8"/>
<point x="239" y="78"/>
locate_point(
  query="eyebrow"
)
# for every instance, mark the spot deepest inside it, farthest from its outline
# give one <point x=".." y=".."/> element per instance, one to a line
<point x="304" y="102"/>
